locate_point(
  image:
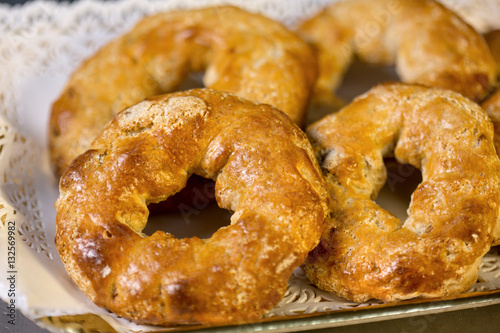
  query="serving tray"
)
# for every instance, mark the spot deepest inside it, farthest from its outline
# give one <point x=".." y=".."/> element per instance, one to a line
<point x="41" y="44"/>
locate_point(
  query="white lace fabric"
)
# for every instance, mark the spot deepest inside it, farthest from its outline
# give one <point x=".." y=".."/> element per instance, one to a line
<point x="40" y="45"/>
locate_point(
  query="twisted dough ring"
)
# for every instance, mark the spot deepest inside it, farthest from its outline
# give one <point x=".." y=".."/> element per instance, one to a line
<point x="243" y="53"/>
<point x="428" y="43"/>
<point x="265" y="171"/>
<point x="365" y="252"/>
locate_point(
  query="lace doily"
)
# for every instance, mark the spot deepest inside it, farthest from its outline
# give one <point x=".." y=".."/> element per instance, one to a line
<point x="41" y="44"/>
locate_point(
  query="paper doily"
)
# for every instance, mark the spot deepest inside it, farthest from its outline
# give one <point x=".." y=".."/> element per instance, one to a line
<point x="41" y="44"/>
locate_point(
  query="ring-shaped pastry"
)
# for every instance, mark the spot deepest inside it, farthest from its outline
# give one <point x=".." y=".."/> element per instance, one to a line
<point x="427" y="43"/>
<point x="366" y="252"/>
<point x="265" y="171"/>
<point x="240" y="52"/>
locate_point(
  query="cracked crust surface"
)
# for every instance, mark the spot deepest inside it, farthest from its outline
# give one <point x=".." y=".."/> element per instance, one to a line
<point x="265" y="172"/>
<point x="240" y="52"/>
<point x="366" y="252"/>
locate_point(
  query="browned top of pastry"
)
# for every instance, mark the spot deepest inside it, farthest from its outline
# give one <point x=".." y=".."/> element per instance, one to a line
<point x="366" y="252"/>
<point x="428" y="43"/>
<point x="240" y="52"/>
<point x="265" y="172"/>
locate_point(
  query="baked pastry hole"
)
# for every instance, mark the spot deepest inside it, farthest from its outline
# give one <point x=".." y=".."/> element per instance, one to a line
<point x="192" y="80"/>
<point x="362" y="76"/>
<point x="359" y="78"/>
<point x="193" y="212"/>
<point x="395" y="195"/>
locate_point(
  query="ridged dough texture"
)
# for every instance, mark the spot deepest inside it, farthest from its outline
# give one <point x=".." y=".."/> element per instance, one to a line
<point x="240" y="52"/>
<point x="427" y="43"/>
<point x="265" y="172"/>
<point x="367" y="253"/>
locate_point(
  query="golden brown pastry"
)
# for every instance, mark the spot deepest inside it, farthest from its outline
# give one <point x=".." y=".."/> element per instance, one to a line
<point x="265" y="172"/>
<point x="366" y="252"/>
<point x="428" y="44"/>
<point x="240" y="52"/>
<point x="493" y="40"/>
<point x="492" y="107"/>
<point x="492" y="104"/>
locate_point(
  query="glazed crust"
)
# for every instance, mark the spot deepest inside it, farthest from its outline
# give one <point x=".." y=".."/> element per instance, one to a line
<point x="493" y="40"/>
<point x="428" y="43"/>
<point x="492" y="104"/>
<point x="265" y="171"/>
<point x="492" y="107"/>
<point x="365" y="252"/>
<point x="240" y="52"/>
